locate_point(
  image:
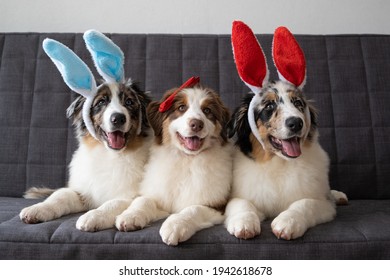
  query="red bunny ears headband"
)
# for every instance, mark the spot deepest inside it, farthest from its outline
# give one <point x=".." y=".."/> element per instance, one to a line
<point x="252" y="65"/>
<point x="251" y="62"/>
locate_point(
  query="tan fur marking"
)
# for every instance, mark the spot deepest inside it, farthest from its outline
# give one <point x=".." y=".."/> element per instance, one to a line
<point x="166" y="137"/>
<point x="89" y="141"/>
<point x="259" y="154"/>
<point x="134" y="143"/>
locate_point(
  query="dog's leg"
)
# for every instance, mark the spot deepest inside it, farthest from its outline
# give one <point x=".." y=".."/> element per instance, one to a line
<point x="243" y="219"/>
<point x="102" y="217"/>
<point x="140" y="213"/>
<point x="62" y="202"/>
<point x="301" y="215"/>
<point x="181" y="226"/>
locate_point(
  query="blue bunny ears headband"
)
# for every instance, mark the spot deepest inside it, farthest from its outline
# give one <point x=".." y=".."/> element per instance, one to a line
<point x="107" y="57"/>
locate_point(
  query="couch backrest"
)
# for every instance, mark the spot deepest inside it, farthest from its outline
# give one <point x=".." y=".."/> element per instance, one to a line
<point x="348" y="76"/>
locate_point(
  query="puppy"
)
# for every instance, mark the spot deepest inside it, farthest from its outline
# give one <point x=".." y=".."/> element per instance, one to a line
<point x="188" y="176"/>
<point x="280" y="170"/>
<point x="114" y="140"/>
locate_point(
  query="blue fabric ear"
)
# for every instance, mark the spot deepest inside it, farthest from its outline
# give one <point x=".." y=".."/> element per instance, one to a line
<point x="74" y="71"/>
<point x="107" y="56"/>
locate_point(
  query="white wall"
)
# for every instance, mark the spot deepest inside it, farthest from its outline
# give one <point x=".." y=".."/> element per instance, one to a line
<point x="195" y="16"/>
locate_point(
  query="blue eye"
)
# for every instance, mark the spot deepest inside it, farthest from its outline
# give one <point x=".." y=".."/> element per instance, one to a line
<point x="102" y="101"/>
<point x="206" y="111"/>
<point x="129" y="102"/>
<point x="182" y="108"/>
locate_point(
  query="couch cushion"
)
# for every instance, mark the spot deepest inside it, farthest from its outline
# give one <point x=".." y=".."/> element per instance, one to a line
<point x="361" y="230"/>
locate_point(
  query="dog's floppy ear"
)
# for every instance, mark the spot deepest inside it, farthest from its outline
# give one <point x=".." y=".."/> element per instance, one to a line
<point x="313" y="121"/>
<point x="144" y="101"/>
<point x="156" y="119"/>
<point x="74" y="113"/>
<point x="288" y="57"/>
<point x="106" y="55"/>
<point x="239" y="126"/>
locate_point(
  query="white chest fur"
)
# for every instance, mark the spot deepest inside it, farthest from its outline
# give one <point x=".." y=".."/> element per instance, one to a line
<point x="99" y="174"/>
<point x="274" y="184"/>
<point x="176" y="180"/>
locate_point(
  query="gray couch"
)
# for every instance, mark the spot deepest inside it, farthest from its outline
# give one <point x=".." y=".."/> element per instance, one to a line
<point x="348" y="77"/>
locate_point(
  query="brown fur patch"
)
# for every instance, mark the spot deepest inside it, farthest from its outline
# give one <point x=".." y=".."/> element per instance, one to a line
<point x="157" y="119"/>
<point x="134" y="143"/>
<point x="90" y="141"/>
<point x="258" y="153"/>
<point x="219" y="114"/>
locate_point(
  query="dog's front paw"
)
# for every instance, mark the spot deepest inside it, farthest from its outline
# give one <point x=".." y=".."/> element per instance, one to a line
<point x="94" y="220"/>
<point x="175" y="230"/>
<point x="288" y="226"/>
<point x="131" y="221"/>
<point x="36" y="214"/>
<point x="244" y="225"/>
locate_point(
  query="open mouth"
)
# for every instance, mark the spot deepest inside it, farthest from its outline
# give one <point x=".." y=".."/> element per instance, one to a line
<point x="116" y="140"/>
<point x="193" y="143"/>
<point x="289" y="147"/>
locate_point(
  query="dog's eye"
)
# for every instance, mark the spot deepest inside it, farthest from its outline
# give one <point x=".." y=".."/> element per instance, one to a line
<point x="206" y="111"/>
<point x="102" y="101"/>
<point x="182" y="108"/>
<point x="298" y="103"/>
<point x="270" y="106"/>
<point x="129" y="102"/>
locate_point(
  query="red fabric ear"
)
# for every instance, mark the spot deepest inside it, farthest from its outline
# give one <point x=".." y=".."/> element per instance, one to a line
<point x="168" y="102"/>
<point x="288" y="57"/>
<point x="249" y="57"/>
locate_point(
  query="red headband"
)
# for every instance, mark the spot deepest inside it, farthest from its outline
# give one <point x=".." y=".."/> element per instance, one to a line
<point x="168" y="102"/>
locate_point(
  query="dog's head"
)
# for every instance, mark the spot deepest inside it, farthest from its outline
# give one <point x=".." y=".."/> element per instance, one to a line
<point x="196" y="121"/>
<point x="118" y="114"/>
<point x="285" y="121"/>
<point x="277" y="118"/>
<point x="113" y="113"/>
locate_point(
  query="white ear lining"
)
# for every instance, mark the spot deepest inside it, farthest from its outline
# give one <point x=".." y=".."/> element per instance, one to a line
<point x="87" y="116"/>
<point x="251" y="118"/>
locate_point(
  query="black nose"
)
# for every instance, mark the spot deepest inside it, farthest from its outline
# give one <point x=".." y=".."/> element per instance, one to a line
<point x="294" y="124"/>
<point x="196" y="125"/>
<point x="118" y="119"/>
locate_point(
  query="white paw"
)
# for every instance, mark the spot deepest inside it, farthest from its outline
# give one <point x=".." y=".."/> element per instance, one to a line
<point x="288" y="226"/>
<point x="37" y="213"/>
<point x="94" y="220"/>
<point x="339" y="197"/>
<point x="175" y="230"/>
<point x="131" y="221"/>
<point x="243" y="225"/>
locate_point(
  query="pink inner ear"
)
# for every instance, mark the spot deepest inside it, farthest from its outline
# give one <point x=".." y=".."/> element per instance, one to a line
<point x="249" y="57"/>
<point x="288" y="56"/>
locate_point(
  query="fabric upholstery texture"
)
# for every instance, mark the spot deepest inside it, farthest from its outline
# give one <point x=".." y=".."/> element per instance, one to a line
<point x="348" y="77"/>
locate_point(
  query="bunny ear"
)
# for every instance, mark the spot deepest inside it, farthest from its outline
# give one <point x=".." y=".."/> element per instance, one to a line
<point x="288" y="57"/>
<point x="249" y="57"/>
<point x="107" y="56"/>
<point x="74" y="71"/>
<point x="76" y="75"/>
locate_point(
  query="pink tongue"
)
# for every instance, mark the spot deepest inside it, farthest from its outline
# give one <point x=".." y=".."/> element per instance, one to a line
<point x="192" y="143"/>
<point x="291" y="147"/>
<point x="116" y="139"/>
